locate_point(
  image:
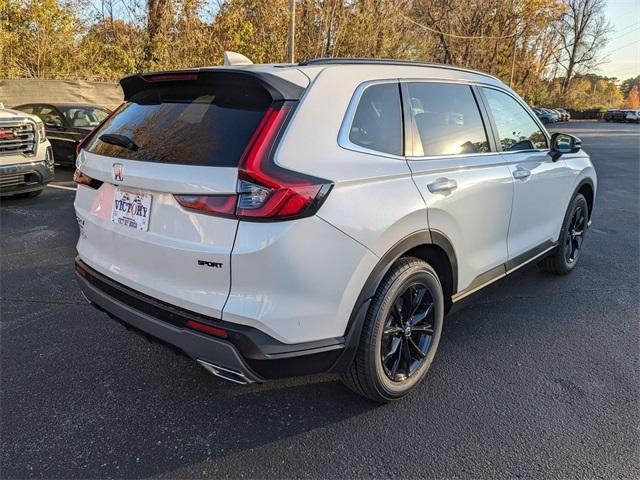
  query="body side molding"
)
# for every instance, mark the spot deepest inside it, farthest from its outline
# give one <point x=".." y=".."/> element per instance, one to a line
<point x="502" y="270"/>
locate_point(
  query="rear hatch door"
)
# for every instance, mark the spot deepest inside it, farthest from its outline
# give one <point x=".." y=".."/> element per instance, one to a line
<point x="177" y="136"/>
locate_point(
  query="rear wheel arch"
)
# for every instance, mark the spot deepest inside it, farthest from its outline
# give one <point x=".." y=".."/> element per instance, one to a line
<point x="429" y="245"/>
<point x="443" y="263"/>
<point x="432" y="246"/>
<point x="586" y="189"/>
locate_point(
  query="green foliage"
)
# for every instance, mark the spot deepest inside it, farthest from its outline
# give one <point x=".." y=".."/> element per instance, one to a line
<point x="38" y="38"/>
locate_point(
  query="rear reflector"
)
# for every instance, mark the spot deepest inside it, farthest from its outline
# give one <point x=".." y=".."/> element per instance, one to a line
<point x="80" y="269"/>
<point x="203" y="327"/>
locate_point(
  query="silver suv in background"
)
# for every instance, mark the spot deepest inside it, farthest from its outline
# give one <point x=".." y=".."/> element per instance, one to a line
<point x="545" y="116"/>
<point x="633" y="116"/>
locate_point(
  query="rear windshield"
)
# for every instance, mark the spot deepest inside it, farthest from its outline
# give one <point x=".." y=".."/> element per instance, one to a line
<point x="190" y="124"/>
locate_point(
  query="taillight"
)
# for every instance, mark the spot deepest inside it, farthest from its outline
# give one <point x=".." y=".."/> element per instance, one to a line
<point x="265" y="191"/>
<point x="83" y="143"/>
<point x="82" y="179"/>
<point x="220" y="205"/>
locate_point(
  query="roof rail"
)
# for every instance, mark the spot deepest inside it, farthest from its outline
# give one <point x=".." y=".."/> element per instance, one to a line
<point x="384" y="61"/>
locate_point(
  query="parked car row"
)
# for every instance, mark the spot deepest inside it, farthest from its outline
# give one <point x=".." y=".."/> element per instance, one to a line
<point x="552" y="115"/>
<point x="620" y="115"/>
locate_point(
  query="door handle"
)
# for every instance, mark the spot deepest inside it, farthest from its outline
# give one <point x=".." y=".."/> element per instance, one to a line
<point x="521" y="174"/>
<point x="442" y="185"/>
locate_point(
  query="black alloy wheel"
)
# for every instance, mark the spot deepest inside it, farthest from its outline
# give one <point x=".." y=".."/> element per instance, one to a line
<point x="408" y="332"/>
<point x="575" y="234"/>
<point x="400" y="334"/>
<point x="564" y="257"/>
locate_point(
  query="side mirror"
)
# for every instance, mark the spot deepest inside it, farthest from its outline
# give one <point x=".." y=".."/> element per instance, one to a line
<point x="562" y="143"/>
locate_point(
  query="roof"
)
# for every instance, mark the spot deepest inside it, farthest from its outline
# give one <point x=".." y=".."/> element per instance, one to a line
<point x="385" y="61"/>
<point x="288" y="80"/>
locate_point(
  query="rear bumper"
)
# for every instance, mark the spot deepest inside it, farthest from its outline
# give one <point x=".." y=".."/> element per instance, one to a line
<point x="247" y="355"/>
<point x="24" y="177"/>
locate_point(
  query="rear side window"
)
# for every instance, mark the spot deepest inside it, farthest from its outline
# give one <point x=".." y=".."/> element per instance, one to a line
<point x="447" y="119"/>
<point x="84" y="116"/>
<point x="50" y="116"/>
<point x="207" y="124"/>
<point x="516" y="128"/>
<point x="377" y="123"/>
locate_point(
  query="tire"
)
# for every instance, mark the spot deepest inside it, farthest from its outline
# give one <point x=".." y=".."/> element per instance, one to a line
<point x="32" y="194"/>
<point x="574" y="228"/>
<point x="408" y="343"/>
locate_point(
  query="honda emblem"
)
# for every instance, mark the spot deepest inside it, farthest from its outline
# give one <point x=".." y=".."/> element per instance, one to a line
<point x="118" y="172"/>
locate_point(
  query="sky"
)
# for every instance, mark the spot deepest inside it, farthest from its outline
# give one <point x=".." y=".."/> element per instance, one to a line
<point x="623" y="49"/>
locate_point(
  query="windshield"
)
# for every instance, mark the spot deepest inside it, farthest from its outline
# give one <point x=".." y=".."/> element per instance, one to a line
<point x="84" y="116"/>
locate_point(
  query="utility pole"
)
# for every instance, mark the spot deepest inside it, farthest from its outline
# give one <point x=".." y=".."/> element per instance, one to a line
<point x="513" y="59"/>
<point x="291" y="47"/>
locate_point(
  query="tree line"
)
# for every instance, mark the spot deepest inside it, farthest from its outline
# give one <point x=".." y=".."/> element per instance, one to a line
<point x="544" y="49"/>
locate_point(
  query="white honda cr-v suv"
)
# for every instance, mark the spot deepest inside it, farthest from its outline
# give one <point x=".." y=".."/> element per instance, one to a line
<point x="280" y="220"/>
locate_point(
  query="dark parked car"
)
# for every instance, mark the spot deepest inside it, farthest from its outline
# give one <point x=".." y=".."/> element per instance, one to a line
<point x="615" y="115"/>
<point x="66" y="125"/>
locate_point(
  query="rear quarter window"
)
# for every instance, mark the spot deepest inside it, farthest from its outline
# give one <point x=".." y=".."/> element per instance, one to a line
<point x="377" y="123"/>
<point x="206" y="124"/>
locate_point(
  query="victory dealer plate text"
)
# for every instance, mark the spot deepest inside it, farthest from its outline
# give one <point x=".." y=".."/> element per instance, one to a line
<point x="131" y="209"/>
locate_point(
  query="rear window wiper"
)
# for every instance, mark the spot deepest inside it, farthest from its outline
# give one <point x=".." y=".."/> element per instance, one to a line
<point x="120" y="140"/>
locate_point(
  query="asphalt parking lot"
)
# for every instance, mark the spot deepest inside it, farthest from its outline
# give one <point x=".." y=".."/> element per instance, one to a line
<point x="539" y="376"/>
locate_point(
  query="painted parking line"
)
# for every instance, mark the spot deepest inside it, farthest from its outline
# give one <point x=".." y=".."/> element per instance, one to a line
<point x="61" y="187"/>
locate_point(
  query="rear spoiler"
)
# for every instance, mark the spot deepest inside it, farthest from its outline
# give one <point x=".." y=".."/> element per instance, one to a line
<point x="279" y="88"/>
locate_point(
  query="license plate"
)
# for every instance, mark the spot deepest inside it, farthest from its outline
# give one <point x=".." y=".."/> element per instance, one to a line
<point x="131" y="209"/>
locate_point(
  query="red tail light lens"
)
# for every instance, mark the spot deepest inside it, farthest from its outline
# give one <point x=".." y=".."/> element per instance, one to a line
<point x="265" y="191"/>
<point x="82" y="179"/>
<point x="221" y="205"/>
